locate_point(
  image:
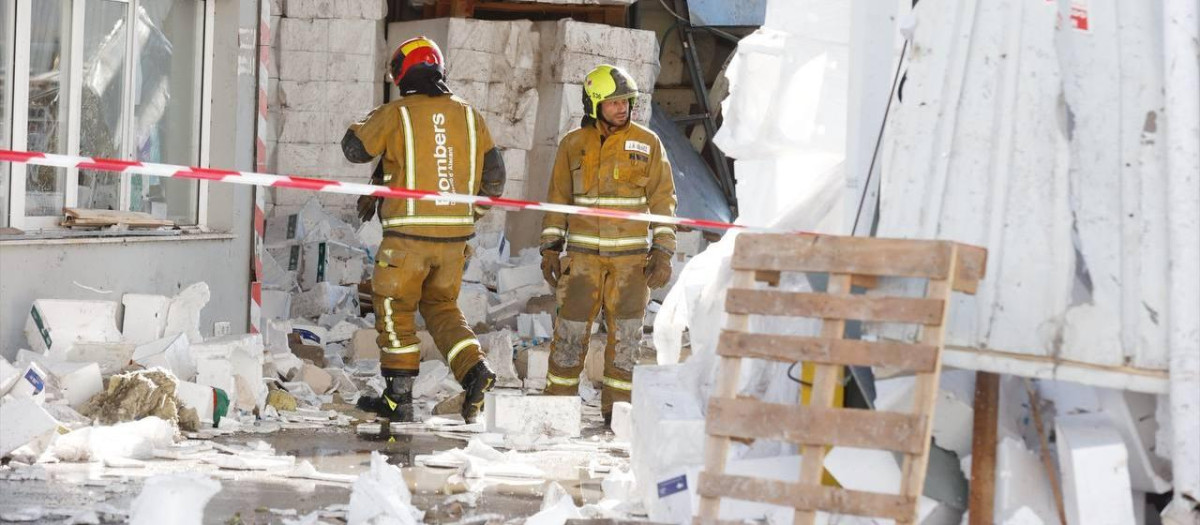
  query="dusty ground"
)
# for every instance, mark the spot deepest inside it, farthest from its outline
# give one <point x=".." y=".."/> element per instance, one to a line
<point x="253" y="497"/>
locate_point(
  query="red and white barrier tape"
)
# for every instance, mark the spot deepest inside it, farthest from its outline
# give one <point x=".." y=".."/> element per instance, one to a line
<point x="349" y="188"/>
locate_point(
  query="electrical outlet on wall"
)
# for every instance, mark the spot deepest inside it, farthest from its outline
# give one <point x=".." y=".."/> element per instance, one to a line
<point x="222" y="328"/>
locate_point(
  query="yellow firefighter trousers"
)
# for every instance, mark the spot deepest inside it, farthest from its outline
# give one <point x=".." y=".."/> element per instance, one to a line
<point x="588" y="283"/>
<point x="413" y="275"/>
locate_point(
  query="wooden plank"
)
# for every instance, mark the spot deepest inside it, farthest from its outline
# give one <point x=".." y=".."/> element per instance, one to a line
<point x="825" y="381"/>
<point x="860" y="256"/>
<point x="982" y="499"/>
<point x="614" y="15"/>
<point x="1035" y="407"/>
<point x="972" y="267"/>
<point x="913" y="467"/>
<point x="702" y="520"/>
<point x="842" y="307"/>
<point x="462" y="8"/>
<point x="790" y="348"/>
<point x="805" y="497"/>
<point x="832" y="253"/>
<point x="83" y="217"/>
<point x="816" y="425"/>
<point x="543" y="9"/>
<point x="1031" y="365"/>
<point x="768" y="276"/>
<point x="716" y="448"/>
<point x="869" y="282"/>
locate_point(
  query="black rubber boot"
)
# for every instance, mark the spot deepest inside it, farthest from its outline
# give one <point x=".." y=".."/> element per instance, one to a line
<point x="477" y="382"/>
<point x="396" y="402"/>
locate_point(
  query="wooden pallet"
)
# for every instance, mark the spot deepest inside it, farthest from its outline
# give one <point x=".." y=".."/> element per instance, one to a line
<point x="599" y="14"/>
<point x="848" y="260"/>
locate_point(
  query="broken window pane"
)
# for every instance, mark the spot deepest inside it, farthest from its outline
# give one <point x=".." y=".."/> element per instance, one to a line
<point x="100" y="131"/>
<point x="7" y="19"/>
<point x="49" y="45"/>
<point x="167" y="104"/>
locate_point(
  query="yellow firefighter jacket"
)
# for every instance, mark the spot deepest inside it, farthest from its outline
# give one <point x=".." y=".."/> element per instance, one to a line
<point x="629" y="171"/>
<point x="432" y="144"/>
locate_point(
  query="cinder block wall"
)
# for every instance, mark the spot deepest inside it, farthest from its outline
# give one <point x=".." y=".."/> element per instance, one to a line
<point x="327" y="71"/>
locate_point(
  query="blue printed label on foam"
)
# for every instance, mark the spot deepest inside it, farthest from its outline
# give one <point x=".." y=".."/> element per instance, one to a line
<point x="305" y="334"/>
<point x="672" y="486"/>
<point x="35" y="380"/>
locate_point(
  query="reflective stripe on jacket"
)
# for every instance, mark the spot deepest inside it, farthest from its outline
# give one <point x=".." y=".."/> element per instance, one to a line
<point x="432" y="144"/>
<point x="627" y="171"/>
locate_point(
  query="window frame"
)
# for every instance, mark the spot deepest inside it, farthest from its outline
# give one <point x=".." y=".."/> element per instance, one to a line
<point x="20" y="109"/>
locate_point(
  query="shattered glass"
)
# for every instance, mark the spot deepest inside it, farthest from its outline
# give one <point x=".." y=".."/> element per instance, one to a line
<point x="167" y="104"/>
<point x="165" y="90"/>
<point x="49" y="45"/>
<point x="100" y="131"/>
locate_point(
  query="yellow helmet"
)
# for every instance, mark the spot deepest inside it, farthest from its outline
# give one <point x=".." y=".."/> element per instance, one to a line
<point x="607" y="83"/>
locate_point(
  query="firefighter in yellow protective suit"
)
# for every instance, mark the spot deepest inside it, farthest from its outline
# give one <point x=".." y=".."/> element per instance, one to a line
<point x="430" y="140"/>
<point x="609" y="162"/>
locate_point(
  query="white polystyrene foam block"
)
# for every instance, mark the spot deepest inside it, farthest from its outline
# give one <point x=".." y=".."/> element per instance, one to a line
<point x="8" y="375"/>
<point x="54" y="325"/>
<point x="183" y="315"/>
<point x="172" y="353"/>
<point x="536" y="368"/>
<point x="145" y="317"/>
<point x="198" y="397"/>
<point x="1094" y="465"/>
<point x="112" y="357"/>
<point x="499" y="349"/>
<point x="1021" y="481"/>
<point x="622" y="421"/>
<point x="532" y="326"/>
<point x="668" y="436"/>
<point x="509" y="279"/>
<point x="77" y="382"/>
<point x="310" y="334"/>
<point x="177" y="498"/>
<point x="239" y="356"/>
<point x="510" y="412"/>
<point x="22" y="420"/>
<point x="474" y="300"/>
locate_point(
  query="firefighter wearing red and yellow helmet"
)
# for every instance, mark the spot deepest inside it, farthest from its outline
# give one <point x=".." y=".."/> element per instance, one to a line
<point x="610" y="265"/>
<point x="429" y="140"/>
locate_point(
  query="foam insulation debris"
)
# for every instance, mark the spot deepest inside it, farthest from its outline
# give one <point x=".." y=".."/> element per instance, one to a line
<point x="134" y="385"/>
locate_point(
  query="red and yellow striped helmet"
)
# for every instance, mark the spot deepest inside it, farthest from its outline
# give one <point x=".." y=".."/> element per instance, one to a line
<point x="419" y="52"/>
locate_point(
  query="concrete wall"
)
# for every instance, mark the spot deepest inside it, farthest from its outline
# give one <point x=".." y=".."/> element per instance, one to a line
<point x="54" y="269"/>
<point x="31" y="270"/>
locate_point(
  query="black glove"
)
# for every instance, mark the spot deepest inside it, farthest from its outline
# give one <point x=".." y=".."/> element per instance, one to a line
<point x="366" y="207"/>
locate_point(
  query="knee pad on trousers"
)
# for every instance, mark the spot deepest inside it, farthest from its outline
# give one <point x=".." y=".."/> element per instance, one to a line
<point x="570" y="340"/>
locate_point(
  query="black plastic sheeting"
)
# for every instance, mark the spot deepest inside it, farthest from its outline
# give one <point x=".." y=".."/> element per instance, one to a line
<point x="695" y="185"/>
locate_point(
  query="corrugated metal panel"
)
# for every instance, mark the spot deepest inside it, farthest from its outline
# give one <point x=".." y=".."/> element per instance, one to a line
<point x="1033" y="129"/>
<point x="695" y="186"/>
